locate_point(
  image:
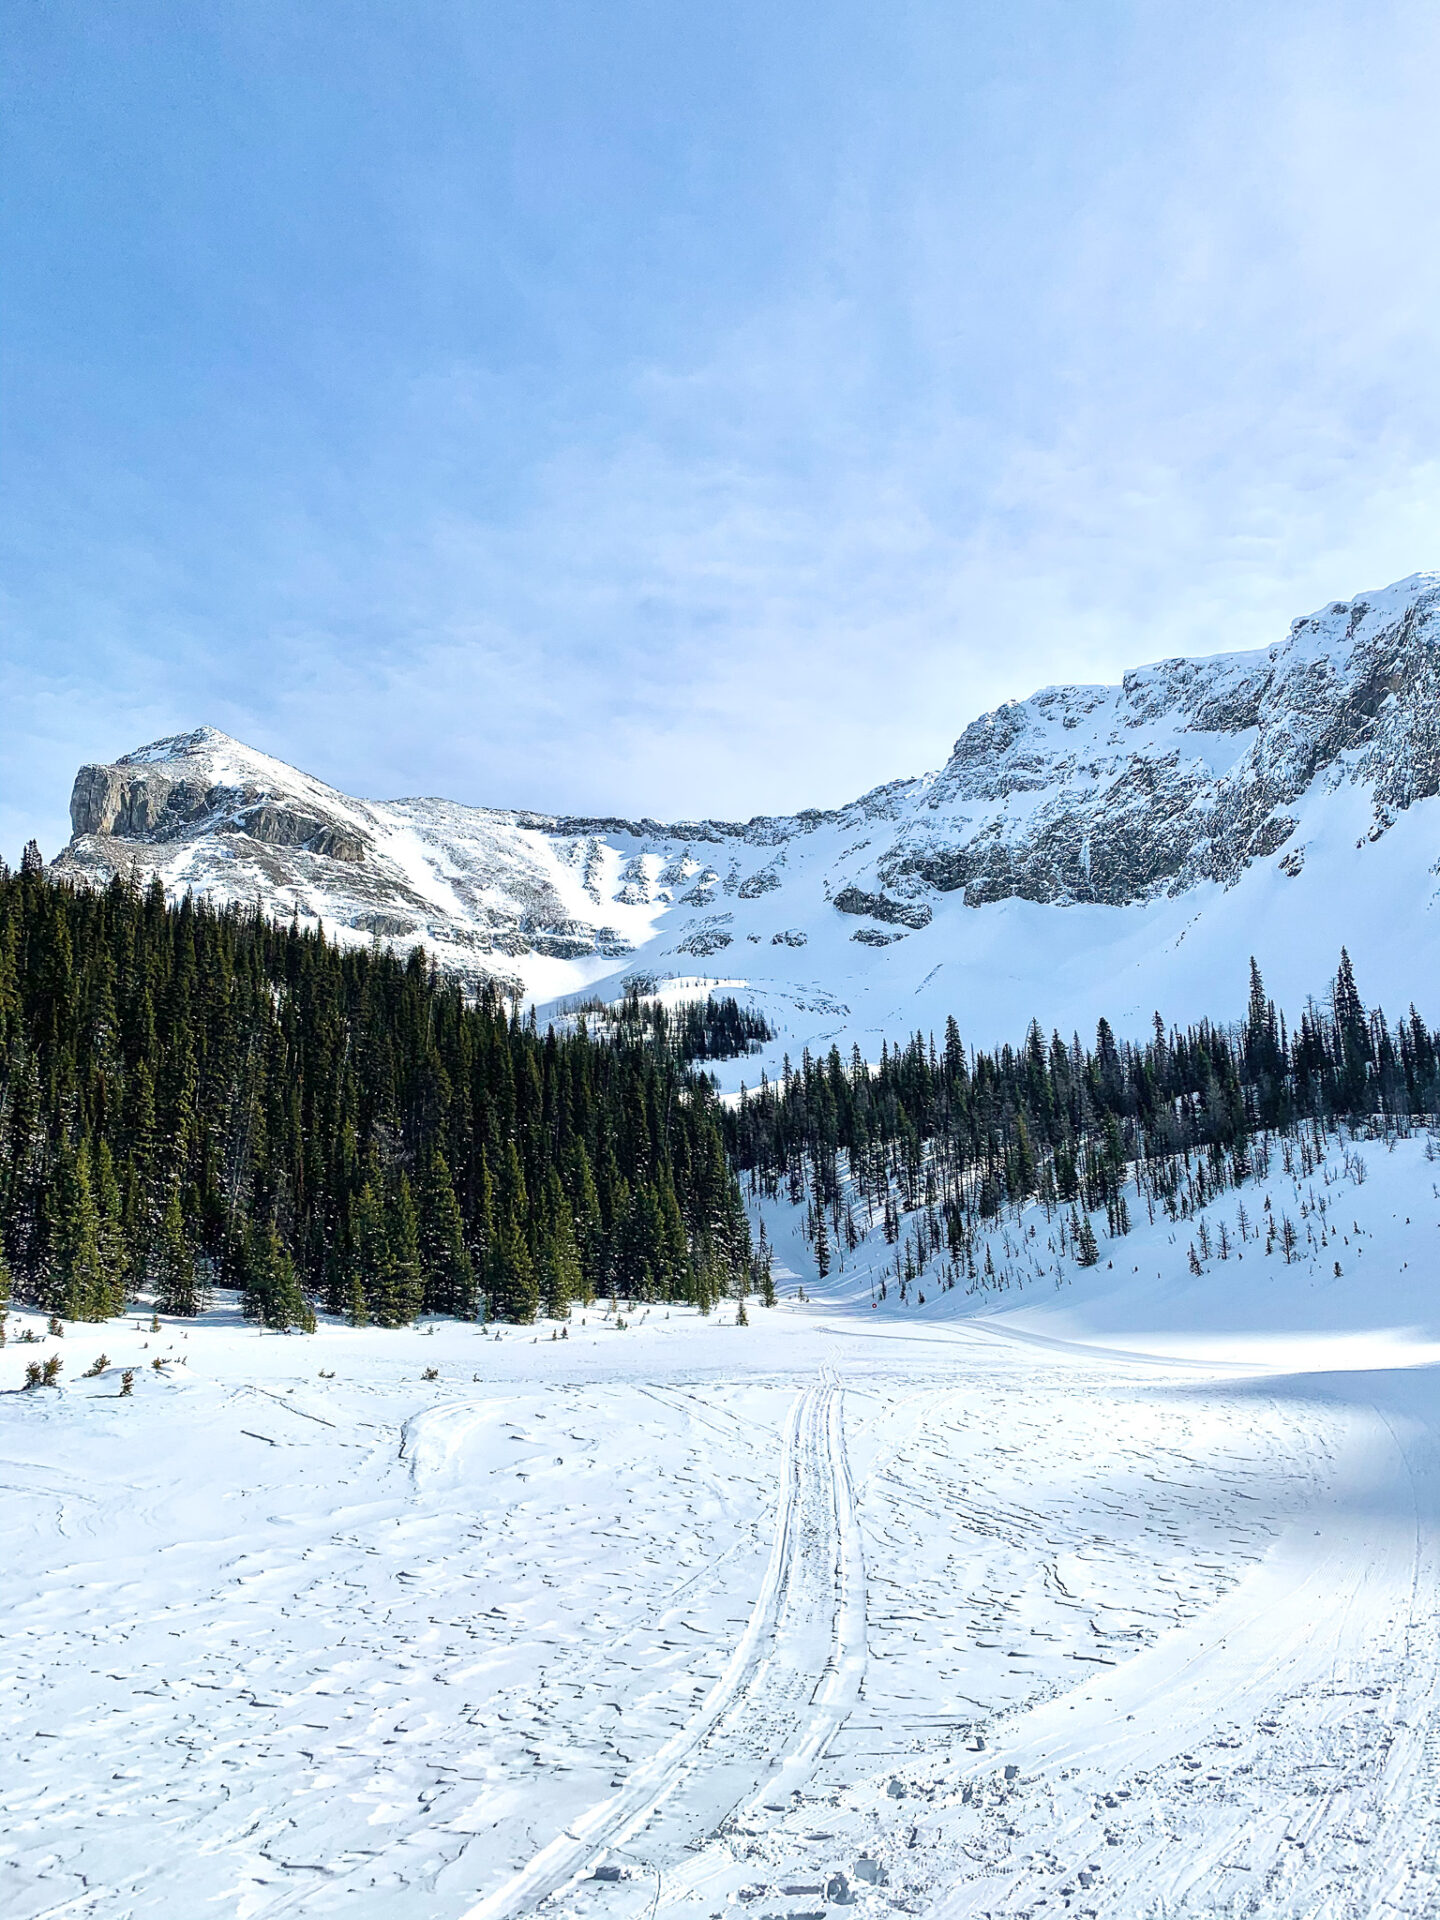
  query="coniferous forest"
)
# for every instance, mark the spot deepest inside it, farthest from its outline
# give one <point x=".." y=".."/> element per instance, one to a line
<point x="192" y="1098"/>
<point x="937" y="1143"/>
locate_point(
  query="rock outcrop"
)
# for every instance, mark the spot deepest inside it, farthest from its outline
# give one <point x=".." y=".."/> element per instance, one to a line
<point x="1189" y="770"/>
<point x="1192" y="774"/>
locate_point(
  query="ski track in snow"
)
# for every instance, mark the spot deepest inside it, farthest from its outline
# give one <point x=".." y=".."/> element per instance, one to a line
<point x="1057" y="1611"/>
<point x="785" y="1692"/>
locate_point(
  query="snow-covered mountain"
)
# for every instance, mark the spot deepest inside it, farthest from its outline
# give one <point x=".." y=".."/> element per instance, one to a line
<point x="1089" y="850"/>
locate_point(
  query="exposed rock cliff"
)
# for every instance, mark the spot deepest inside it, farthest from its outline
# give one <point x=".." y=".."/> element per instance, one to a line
<point x="1188" y="771"/>
<point x="1185" y="781"/>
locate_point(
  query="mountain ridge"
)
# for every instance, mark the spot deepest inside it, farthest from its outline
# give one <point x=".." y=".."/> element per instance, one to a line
<point x="1151" y="803"/>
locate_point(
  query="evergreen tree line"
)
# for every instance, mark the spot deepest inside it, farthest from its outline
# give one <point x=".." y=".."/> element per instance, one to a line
<point x="192" y="1097"/>
<point x="955" y="1136"/>
<point x="952" y="1244"/>
<point x="709" y="1029"/>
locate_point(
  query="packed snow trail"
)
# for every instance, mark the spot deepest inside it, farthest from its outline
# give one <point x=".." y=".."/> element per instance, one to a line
<point x="778" y="1704"/>
<point x="378" y="1647"/>
<point x="788" y="1686"/>
<point x="1125" y="1600"/>
<point x="342" y="1690"/>
<point x="1278" y="1756"/>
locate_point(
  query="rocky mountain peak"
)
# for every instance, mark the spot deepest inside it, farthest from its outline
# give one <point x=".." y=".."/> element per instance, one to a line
<point x="204" y="781"/>
<point x="1190" y="777"/>
<point x="1188" y="770"/>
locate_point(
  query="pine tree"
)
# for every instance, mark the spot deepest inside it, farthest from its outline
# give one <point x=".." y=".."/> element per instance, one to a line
<point x="563" y="1281"/>
<point x="273" y="1294"/>
<point x="1349" y="1010"/>
<point x="174" y="1266"/>
<point x="1020" y="1165"/>
<point x="269" y="1077"/>
<point x="447" y="1269"/>
<point x="78" y="1288"/>
<point x="706" y="1281"/>
<point x="114" y="1253"/>
<point x="1353" y="1036"/>
<point x="589" y="1227"/>
<point x="370" y="1252"/>
<point x="396" y="1298"/>
<point x="1087" y="1251"/>
<point x="357" y="1312"/>
<point x="673" y="1244"/>
<point x="513" y="1284"/>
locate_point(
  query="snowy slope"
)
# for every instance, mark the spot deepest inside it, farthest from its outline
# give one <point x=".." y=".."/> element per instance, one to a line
<point x="1089" y="850"/>
<point x="1119" y="1596"/>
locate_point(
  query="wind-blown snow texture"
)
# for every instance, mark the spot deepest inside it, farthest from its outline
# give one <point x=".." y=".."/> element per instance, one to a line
<point x="1089" y="850"/>
<point x="1111" y="1593"/>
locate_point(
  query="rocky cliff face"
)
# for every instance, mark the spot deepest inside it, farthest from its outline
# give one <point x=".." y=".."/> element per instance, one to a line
<point x="147" y="804"/>
<point x="1190" y="778"/>
<point x="1190" y="770"/>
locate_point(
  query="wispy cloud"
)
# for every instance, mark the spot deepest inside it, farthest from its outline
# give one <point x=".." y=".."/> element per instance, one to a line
<point x="1075" y="360"/>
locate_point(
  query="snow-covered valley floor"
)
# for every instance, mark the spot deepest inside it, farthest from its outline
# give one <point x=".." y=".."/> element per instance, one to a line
<point x="1118" y="1597"/>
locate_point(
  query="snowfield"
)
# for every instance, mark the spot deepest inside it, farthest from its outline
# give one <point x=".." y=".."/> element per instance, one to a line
<point x="1110" y="1593"/>
<point x="1087" y="851"/>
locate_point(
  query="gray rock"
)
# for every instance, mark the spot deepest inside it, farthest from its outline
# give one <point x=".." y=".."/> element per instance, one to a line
<point x="878" y="907"/>
<point x="1114" y="823"/>
<point x="1189" y="772"/>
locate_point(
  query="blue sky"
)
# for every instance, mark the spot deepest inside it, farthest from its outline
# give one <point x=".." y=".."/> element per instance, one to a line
<point x="688" y="408"/>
